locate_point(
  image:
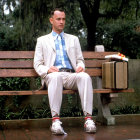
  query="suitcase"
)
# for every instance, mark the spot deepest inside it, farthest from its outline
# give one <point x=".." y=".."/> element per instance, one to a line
<point x="115" y="75"/>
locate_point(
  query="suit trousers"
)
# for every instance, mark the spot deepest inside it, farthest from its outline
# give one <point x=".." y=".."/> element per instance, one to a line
<point x="56" y="81"/>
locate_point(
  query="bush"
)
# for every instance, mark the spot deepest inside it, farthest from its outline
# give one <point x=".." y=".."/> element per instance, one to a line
<point x="14" y="83"/>
<point x="128" y="109"/>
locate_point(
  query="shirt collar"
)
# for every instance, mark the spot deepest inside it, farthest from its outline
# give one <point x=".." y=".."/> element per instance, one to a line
<point x="54" y="34"/>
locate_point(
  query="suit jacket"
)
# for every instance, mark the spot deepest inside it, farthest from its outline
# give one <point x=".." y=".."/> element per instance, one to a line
<point x="45" y="53"/>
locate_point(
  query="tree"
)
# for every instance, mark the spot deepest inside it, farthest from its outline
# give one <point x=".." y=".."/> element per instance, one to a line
<point x="93" y="10"/>
<point x="89" y="19"/>
<point x="31" y="28"/>
<point x="90" y="12"/>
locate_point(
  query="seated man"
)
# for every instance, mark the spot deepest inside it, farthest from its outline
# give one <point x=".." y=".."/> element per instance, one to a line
<point x="59" y="61"/>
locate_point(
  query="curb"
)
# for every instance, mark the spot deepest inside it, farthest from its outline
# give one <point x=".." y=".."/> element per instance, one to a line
<point x="67" y="121"/>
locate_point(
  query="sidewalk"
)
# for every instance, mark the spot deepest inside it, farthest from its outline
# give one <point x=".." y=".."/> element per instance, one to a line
<point x="127" y="128"/>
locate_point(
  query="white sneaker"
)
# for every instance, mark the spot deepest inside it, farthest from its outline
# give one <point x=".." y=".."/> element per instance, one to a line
<point x="56" y="128"/>
<point x="90" y="126"/>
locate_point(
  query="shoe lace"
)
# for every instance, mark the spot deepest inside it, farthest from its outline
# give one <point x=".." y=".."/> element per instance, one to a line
<point x="89" y="122"/>
<point x="57" y="122"/>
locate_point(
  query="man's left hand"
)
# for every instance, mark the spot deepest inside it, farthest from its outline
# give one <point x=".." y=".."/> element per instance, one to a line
<point x="79" y="69"/>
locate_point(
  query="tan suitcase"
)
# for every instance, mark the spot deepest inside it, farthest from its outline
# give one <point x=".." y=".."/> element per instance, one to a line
<point x="115" y="75"/>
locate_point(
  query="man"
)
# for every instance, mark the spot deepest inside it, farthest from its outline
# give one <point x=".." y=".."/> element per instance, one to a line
<point x="58" y="60"/>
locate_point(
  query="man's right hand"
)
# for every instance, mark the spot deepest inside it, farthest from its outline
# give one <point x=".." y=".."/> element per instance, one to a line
<point x="53" y="69"/>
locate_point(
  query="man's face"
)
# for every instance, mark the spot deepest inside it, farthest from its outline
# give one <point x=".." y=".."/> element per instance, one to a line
<point x="58" y="21"/>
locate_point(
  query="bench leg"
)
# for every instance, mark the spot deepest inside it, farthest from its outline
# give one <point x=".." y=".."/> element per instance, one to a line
<point x="104" y="116"/>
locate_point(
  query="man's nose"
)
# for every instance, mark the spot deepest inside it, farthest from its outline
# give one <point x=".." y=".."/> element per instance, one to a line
<point x="62" y="21"/>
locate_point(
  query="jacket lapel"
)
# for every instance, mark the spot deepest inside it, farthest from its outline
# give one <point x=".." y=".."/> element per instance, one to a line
<point x="51" y="40"/>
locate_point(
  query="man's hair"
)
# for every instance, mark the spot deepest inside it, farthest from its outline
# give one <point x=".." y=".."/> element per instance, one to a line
<point x="56" y="9"/>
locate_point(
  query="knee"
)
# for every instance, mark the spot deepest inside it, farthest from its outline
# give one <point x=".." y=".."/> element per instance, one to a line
<point x="55" y="76"/>
<point x="84" y="76"/>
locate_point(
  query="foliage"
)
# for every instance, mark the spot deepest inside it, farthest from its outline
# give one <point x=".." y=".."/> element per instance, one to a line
<point x="18" y="31"/>
<point x="26" y="112"/>
<point x="128" y="109"/>
<point x="122" y="37"/>
<point x="8" y="38"/>
<point x="14" y="84"/>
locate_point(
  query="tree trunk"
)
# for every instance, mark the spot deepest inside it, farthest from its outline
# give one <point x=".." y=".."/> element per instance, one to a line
<point x="90" y="12"/>
<point x="91" y="30"/>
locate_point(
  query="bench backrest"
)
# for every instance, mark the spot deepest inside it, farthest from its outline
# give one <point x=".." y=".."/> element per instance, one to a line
<point x="20" y="63"/>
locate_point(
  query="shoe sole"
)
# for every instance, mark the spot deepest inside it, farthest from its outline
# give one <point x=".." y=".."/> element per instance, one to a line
<point x="91" y="131"/>
<point x="58" y="133"/>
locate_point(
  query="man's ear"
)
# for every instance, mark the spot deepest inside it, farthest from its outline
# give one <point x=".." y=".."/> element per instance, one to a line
<point x="51" y="20"/>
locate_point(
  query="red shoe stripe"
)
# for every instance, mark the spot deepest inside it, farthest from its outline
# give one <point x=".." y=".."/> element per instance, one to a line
<point x="55" y="118"/>
<point x="88" y="117"/>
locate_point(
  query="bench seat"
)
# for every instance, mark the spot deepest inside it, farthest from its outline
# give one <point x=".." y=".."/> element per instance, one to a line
<point x="44" y="92"/>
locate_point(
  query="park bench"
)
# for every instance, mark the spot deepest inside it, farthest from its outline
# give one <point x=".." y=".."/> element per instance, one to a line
<point x="20" y="64"/>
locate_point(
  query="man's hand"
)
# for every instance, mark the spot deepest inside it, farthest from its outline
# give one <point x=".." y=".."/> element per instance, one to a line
<point x="53" y="69"/>
<point x="79" y="69"/>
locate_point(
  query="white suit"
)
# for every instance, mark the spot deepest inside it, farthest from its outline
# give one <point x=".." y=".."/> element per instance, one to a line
<point x="45" y="54"/>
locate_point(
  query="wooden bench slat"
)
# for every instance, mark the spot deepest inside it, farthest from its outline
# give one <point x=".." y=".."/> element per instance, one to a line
<point x="16" y="63"/>
<point x="30" y="54"/>
<point x="94" y="72"/>
<point x="16" y="54"/>
<point x="29" y="63"/>
<point x="44" y="92"/>
<point x="94" y="55"/>
<point x="114" y="90"/>
<point x="18" y="73"/>
<point x="32" y="73"/>
<point x="94" y="63"/>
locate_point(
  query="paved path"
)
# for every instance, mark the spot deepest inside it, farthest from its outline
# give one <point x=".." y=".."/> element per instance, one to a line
<point x="129" y="131"/>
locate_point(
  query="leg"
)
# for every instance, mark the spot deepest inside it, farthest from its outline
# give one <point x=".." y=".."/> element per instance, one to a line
<point x="55" y="86"/>
<point x="54" y="83"/>
<point x="84" y="85"/>
<point x="86" y="95"/>
<point x="83" y="82"/>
